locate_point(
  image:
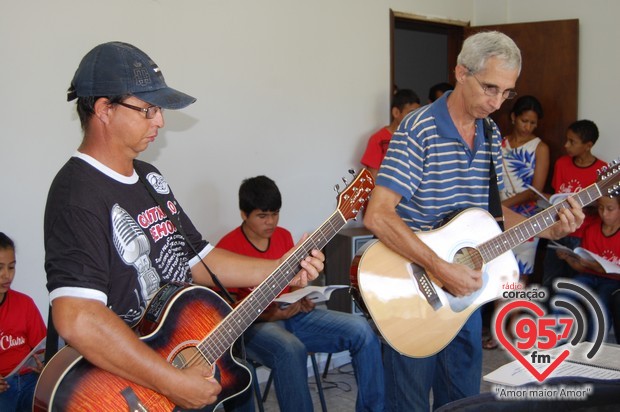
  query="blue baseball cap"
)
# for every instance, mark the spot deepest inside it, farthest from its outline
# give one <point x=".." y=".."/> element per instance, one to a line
<point x="116" y="69"/>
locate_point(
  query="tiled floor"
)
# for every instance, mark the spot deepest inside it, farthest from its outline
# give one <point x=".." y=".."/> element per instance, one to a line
<point x="340" y="388"/>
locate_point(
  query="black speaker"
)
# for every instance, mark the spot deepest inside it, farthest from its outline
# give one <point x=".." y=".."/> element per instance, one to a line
<point x="339" y="254"/>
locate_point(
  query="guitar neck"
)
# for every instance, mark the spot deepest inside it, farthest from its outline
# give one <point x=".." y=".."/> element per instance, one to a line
<point x="534" y="225"/>
<point x="233" y="326"/>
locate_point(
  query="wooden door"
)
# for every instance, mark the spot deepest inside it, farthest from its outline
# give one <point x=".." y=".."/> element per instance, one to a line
<point x="550" y="53"/>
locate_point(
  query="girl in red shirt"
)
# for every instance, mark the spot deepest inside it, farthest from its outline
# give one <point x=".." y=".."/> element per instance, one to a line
<point x="21" y="330"/>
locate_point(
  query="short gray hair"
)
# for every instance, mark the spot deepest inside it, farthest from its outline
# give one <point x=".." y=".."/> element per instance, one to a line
<point x="478" y="48"/>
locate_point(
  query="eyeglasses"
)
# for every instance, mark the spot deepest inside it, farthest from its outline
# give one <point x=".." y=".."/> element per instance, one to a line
<point x="493" y="91"/>
<point x="150" y="111"/>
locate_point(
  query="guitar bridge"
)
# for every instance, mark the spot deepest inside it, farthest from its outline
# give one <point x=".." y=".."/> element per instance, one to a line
<point x="133" y="403"/>
<point x="426" y="287"/>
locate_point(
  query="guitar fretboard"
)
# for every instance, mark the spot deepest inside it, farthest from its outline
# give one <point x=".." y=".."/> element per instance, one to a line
<point x="533" y="226"/>
<point x="233" y="325"/>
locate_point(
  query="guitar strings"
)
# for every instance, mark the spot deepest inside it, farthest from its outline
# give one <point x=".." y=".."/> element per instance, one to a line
<point x="210" y="353"/>
<point x="469" y="257"/>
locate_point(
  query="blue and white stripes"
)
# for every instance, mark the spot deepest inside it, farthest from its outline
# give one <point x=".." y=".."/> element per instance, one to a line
<point x="429" y="164"/>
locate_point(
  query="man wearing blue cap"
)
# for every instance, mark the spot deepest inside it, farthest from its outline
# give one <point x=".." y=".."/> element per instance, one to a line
<point x="109" y="241"/>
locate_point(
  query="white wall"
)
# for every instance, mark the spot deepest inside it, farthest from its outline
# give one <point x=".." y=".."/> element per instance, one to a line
<point x="290" y="89"/>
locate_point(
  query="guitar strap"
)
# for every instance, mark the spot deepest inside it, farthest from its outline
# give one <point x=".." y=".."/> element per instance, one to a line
<point x="239" y="345"/>
<point x="52" y="338"/>
<point x="177" y="223"/>
<point x="495" y="204"/>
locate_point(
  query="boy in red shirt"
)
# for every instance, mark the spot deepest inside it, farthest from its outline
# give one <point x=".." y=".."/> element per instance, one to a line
<point x="572" y="172"/>
<point x="602" y="237"/>
<point x="403" y="102"/>
<point x="283" y="336"/>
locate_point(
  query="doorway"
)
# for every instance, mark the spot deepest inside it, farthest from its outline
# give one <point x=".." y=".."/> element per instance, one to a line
<point x="423" y="53"/>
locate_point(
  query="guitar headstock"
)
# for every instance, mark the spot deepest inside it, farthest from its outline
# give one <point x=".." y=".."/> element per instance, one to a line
<point x="608" y="178"/>
<point x="355" y="196"/>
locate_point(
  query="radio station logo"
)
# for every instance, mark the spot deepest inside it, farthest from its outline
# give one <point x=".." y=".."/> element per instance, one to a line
<point x="542" y="341"/>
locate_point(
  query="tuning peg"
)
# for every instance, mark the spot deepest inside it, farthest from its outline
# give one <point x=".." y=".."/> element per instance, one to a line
<point x="358" y="213"/>
<point x="345" y="181"/>
<point x="337" y="188"/>
<point x="352" y="172"/>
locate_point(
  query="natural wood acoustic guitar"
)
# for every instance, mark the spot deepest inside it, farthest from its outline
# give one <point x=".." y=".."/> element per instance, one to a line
<point x="412" y="311"/>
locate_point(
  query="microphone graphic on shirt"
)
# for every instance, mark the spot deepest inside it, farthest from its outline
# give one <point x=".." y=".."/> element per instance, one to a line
<point x="133" y="247"/>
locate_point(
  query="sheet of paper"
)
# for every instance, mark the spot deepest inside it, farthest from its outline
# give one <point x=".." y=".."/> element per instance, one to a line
<point x="607" y="359"/>
<point x="609" y="267"/>
<point x="559" y="197"/>
<point x="555" y="245"/>
<point x="315" y="293"/>
<point x="28" y="361"/>
<point x="607" y="356"/>
<point x="543" y="202"/>
<point x="515" y="374"/>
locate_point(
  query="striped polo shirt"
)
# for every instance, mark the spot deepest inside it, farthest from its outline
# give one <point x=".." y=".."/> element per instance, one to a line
<point x="434" y="170"/>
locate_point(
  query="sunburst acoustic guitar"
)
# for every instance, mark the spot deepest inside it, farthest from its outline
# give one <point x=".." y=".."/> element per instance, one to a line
<point x="187" y="325"/>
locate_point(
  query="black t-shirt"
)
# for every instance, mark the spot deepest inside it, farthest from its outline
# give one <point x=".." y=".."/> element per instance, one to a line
<point x="106" y="237"/>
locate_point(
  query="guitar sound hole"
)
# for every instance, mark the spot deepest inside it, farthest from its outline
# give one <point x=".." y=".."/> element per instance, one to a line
<point x="187" y="357"/>
<point x="470" y="257"/>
